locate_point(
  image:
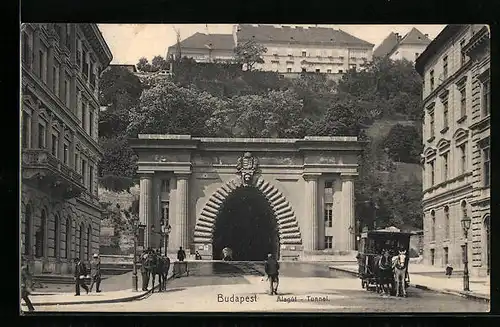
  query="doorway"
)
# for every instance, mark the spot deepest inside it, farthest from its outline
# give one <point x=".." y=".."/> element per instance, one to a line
<point x="246" y="224"/>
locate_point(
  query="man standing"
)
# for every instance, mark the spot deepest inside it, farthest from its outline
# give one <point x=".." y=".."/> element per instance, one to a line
<point x="80" y="273"/>
<point x="144" y="270"/>
<point x="95" y="270"/>
<point x="181" y="255"/>
<point x="26" y="286"/>
<point x="272" y="267"/>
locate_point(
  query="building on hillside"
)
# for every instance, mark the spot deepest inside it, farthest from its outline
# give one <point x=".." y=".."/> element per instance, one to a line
<point x="204" y="47"/>
<point x="60" y="212"/>
<point x="456" y="132"/>
<point x="130" y="68"/>
<point x="306" y="49"/>
<point x="408" y="47"/>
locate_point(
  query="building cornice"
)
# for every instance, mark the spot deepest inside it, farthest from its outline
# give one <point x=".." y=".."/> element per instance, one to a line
<point x="482" y="37"/>
<point x="441" y="196"/>
<point x="99" y="45"/>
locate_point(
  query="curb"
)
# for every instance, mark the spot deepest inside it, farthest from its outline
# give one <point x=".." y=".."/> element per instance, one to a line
<point x="137" y="297"/>
<point x="463" y="294"/>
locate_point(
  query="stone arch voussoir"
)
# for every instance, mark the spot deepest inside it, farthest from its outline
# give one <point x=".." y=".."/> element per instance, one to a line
<point x="288" y="226"/>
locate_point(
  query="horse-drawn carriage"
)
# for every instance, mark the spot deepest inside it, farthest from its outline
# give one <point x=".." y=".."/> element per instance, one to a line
<point x="383" y="259"/>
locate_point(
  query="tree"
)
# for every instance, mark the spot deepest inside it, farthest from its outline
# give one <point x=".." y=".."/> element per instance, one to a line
<point x="249" y="54"/>
<point x="404" y="144"/>
<point x="158" y="63"/>
<point x="143" y="65"/>
<point x="118" y="165"/>
<point x="342" y="118"/>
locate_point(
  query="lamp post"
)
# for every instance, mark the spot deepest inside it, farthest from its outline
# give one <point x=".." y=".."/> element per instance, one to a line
<point x="164" y="232"/>
<point x="466" y="221"/>
<point x="136" y="227"/>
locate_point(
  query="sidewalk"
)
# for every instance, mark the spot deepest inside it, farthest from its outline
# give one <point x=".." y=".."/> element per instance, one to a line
<point x="43" y="298"/>
<point x="479" y="287"/>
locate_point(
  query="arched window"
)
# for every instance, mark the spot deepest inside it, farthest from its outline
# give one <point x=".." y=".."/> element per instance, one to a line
<point x="487" y="245"/>
<point x="57" y="237"/>
<point x="81" y="243"/>
<point x="433" y="225"/>
<point x="89" y="242"/>
<point x="447" y="222"/>
<point x="27" y="230"/>
<point x="40" y="236"/>
<point x="67" y="253"/>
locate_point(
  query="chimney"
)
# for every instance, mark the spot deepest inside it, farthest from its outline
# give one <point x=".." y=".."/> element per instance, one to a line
<point x="426" y="35"/>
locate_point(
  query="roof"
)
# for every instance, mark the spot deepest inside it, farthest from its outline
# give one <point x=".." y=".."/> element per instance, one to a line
<point x="202" y="41"/>
<point x="391" y="42"/>
<point x="128" y="66"/>
<point x="287" y="34"/>
<point x="435" y="45"/>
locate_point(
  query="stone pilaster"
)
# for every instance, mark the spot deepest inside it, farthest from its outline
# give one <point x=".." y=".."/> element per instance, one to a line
<point x="61" y="143"/>
<point x="34" y="130"/>
<point x="348" y="217"/>
<point x="72" y="151"/>
<point x="310" y="233"/>
<point x="181" y="218"/>
<point x="50" y="69"/>
<point x="145" y="206"/>
<point x="48" y="140"/>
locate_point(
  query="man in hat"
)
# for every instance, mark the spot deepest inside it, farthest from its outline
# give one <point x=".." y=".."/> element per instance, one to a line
<point x="95" y="270"/>
<point x="272" y="267"/>
<point x="80" y="273"/>
<point x="26" y="286"/>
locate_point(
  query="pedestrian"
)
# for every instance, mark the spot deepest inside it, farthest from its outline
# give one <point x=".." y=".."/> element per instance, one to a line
<point x="80" y="273"/>
<point x="95" y="271"/>
<point x="144" y="270"/>
<point x="449" y="270"/>
<point x="26" y="283"/>
<point x="272" y="267"/>
<point x="181" y="255"/>
<point x="197" y="256"/>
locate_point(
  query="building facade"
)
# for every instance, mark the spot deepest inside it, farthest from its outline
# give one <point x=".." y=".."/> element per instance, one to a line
<point x="295" y="49"/>
<point x="456" y="157"/>
<point x="204" y="47"/>
<point x="60" y="212"/>
<point x="187" y="182"/>
<point x="408" y="47"/>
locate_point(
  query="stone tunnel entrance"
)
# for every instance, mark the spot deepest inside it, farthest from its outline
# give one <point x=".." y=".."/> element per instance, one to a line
<point x="246" y="224"/>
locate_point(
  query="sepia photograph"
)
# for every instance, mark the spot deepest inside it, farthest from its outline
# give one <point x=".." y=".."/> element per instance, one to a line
<point x="254" y="168"/>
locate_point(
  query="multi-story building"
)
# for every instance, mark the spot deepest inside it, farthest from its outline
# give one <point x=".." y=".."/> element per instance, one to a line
<point x="456" y="157"/>
<point x="60" y="212"/>
<point x="408" y="47"/>
<point x="306" y="49"/>
<point x="204" y="47"/>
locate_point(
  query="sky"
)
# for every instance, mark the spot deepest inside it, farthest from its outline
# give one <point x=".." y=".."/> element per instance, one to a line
<point x="129" y="42"/>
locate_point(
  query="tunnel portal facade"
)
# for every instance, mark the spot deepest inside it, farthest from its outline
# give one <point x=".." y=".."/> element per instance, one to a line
<point x="289" y="197"/>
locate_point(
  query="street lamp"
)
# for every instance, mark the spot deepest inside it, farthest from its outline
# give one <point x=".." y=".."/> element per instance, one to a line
<point x="136" y="228"/>
<point x="466" y="221"/>
<point x="164" y="232"/>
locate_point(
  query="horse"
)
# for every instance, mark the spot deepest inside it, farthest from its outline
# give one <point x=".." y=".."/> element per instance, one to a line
<point x="227" y="254"/>
<point x="163" y="266"/>
<point x="383" y="271"/>
<point x="400" y="267"/>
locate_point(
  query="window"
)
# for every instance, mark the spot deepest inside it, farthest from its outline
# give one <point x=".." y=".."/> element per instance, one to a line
<point x="447" y="222"/>
<point x="463" y="158"/>
<point x="89" y="242"/>
<point x="67" y="95"/>
<point x="84" y="171"/>
<point x="445" y="256"/>
<point x="91" y="179"/>
<point x="485" y="97"/>
<point x="340" y="71"/>
<point x="79" y="104"/>
<point x="84" y="115"/>
<point x="329" y="71"/>
<point x="433" y="225"/>
<point x="165" y="185"/>
<point x="77" y="163"/>
<point x="41" y="136"/>
<point x="68" y="36"/>
<point x="445" y="67"/>
<point x="91" y="123"/>
<point x="304" y="53"/>
<point x="486" y="166"/>
<point x="432" y="257"/>
<point x="328" y="214"/>
<point x="317" y="70"/>
<point x="288" y="70"/>
<point x="328" y="242"/>
<point x="40" y="236"/>
<point x="68" y="239"/>
<point x="80" y="243"/>
<point x="462" y="54"/>
<point x="57" y="238"/>
<point x="55" y="145"/>
<point x="85" y="66"/>
<point x="27" y="230"/>
<point x="445" y="166"/>
<point x="26" y="50"/>
<point x="26" y="130"/>
<point x="165" y="212"/>
<point x="431" y="74"/>
<point x="431" y="123"/>
<point x="304" y="70"/>
<point x="431" y="169"/>
<point x="463" y="102"/>
<point x="445" y="115"/>
<point x="55" y="79"/>
<point x="328" y="184"/>
<point x="65" y="153"/>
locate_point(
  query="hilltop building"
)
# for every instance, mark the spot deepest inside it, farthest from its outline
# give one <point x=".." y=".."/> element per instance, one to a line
<point x="456" y="132"/>
<point x="60" y="212"/>
<point x="408" y="47"/>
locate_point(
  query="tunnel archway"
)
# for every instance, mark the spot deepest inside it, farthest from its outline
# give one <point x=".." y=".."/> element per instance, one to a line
<point x="246" y="223"/>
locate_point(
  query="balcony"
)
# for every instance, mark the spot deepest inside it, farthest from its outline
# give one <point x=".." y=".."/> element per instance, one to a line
<point x="46" y="172"/>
